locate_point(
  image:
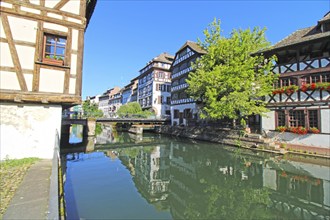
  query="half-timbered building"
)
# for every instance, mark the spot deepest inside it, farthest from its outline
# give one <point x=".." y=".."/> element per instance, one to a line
<point x="41" y="58"/>
<point x="300" y="100"/>
<point x="183" y="108"/>
<point x="154" y="85"/>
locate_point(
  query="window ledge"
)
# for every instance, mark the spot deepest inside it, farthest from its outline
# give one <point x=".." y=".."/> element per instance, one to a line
<point x="55" y="65"/>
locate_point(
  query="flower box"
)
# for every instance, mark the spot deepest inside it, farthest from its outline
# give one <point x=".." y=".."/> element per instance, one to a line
<point x="58" y="62"/>
<point x="314" y="130"/>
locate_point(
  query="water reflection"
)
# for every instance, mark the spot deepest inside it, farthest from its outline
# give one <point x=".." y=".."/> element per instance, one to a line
<point x="126" y="177"/>
<point x="76" y="134"/>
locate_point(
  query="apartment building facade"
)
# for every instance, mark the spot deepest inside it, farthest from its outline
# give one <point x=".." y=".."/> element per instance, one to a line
<point x="183" y="108"/>
<point x="128" y="92"/>
<point x="154" y="83"/>
<point x="115" y="101"/>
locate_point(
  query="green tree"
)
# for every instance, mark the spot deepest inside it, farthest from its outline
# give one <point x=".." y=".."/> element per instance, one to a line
<point x="91" y="110"/>
<point x="132" y="109"/>
<point x="229" y="81"/>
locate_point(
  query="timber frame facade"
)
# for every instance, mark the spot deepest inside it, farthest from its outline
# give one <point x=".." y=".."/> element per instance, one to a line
<point x="42" y="50"/>
<point x="183" y="108"/>
<point x="154" y="85"/>
<point x="41" y="55"/>
<point x="301" y="97"/>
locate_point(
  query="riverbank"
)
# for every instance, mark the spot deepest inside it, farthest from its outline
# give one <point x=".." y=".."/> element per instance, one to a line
<point x="238" y="138"/>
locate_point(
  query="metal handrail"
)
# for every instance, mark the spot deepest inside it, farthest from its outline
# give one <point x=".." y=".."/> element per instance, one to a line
<point x="53" y="205"/>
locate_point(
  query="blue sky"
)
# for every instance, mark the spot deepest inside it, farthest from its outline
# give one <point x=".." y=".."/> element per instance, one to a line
<point x="123" y="36"/>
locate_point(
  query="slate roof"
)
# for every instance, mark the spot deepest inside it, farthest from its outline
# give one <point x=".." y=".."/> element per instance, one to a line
<point x="194" y="46"/>
<point x="90" y="6"/>
<point x="325" y="18"/>
<point x="164" y="57"/>
<point x="303" y="35"/>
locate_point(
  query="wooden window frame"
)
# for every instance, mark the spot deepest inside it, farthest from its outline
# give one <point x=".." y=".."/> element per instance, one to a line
<point x="295" y="119"/>
<point x="279" y="121"/>
<point x="305" y="118"/>
<point x="49" y="60"/>
<point x="317" y="118"/>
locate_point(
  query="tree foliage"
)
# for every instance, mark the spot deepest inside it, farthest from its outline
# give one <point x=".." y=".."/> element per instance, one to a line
<point x="91" y="110"/>
<point x="228" y="80"/>
<point x="132" y="109"/>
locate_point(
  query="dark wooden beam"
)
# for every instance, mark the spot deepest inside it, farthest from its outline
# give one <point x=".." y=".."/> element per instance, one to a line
<point x="60" y="4"/>
<point x="38" y="97"/>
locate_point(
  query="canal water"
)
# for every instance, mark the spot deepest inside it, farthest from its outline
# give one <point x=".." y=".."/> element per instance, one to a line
<point x="118" y="175"/>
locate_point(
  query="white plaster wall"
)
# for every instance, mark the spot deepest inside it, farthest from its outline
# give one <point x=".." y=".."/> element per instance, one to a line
<point x="8" y="80"/>
<point x="5" y="4"/>
<point x="35" y="11"/>
<point x="316" y="140"/>
<point x="35" y="2"/>
<point x="73" y="65"/>
<point x="5" y="56"/>
<point x="268" y="121"/>
<point x="72" y="6"/>
<point x="72" y="86"/>
<point x="29" y="130"/>
<point x="2" y="32"/>
<point x="23" y="29"/>
<point x="51" y="80"/>
<point x="75" y="39"/>
<point x="52" y="3"/>
<point x="29" y="80"/>
<point x="26" y="56"/>
<point x="53" y="15"/>
<point x="74" y="20"/>
<point x="325" y="123"/>
<point x="55" y="27"/>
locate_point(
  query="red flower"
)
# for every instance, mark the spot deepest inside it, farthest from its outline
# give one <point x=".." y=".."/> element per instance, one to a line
<point x="304" y="88"/>
<point x="312" y="86"/>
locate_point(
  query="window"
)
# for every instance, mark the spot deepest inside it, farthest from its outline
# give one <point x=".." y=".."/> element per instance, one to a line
<point x="280" y="118"/>
<point x="297" y="118"/>
<point x="326" y="77"/>
<point x="54" y="49"/>
<point x="175" y="96"/>
<point x="176" y="114"/>
<point x="313" y="118"/>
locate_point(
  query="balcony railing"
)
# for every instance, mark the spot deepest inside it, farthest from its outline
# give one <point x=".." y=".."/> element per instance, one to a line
<point x="303" y="65"/>
<point x="181" y="101"/>
<point x="184" y="71"/>
<point x="182" y="86"/>
<point x="189" y="54"/>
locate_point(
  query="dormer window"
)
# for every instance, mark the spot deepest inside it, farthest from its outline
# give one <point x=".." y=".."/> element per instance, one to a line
<point x="54" y="49"/>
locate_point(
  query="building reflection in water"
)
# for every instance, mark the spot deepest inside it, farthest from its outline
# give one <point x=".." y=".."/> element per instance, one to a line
<point x="149" y="167"/>
<point x="76" y="134"/>
<point x="197" y="180"/>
